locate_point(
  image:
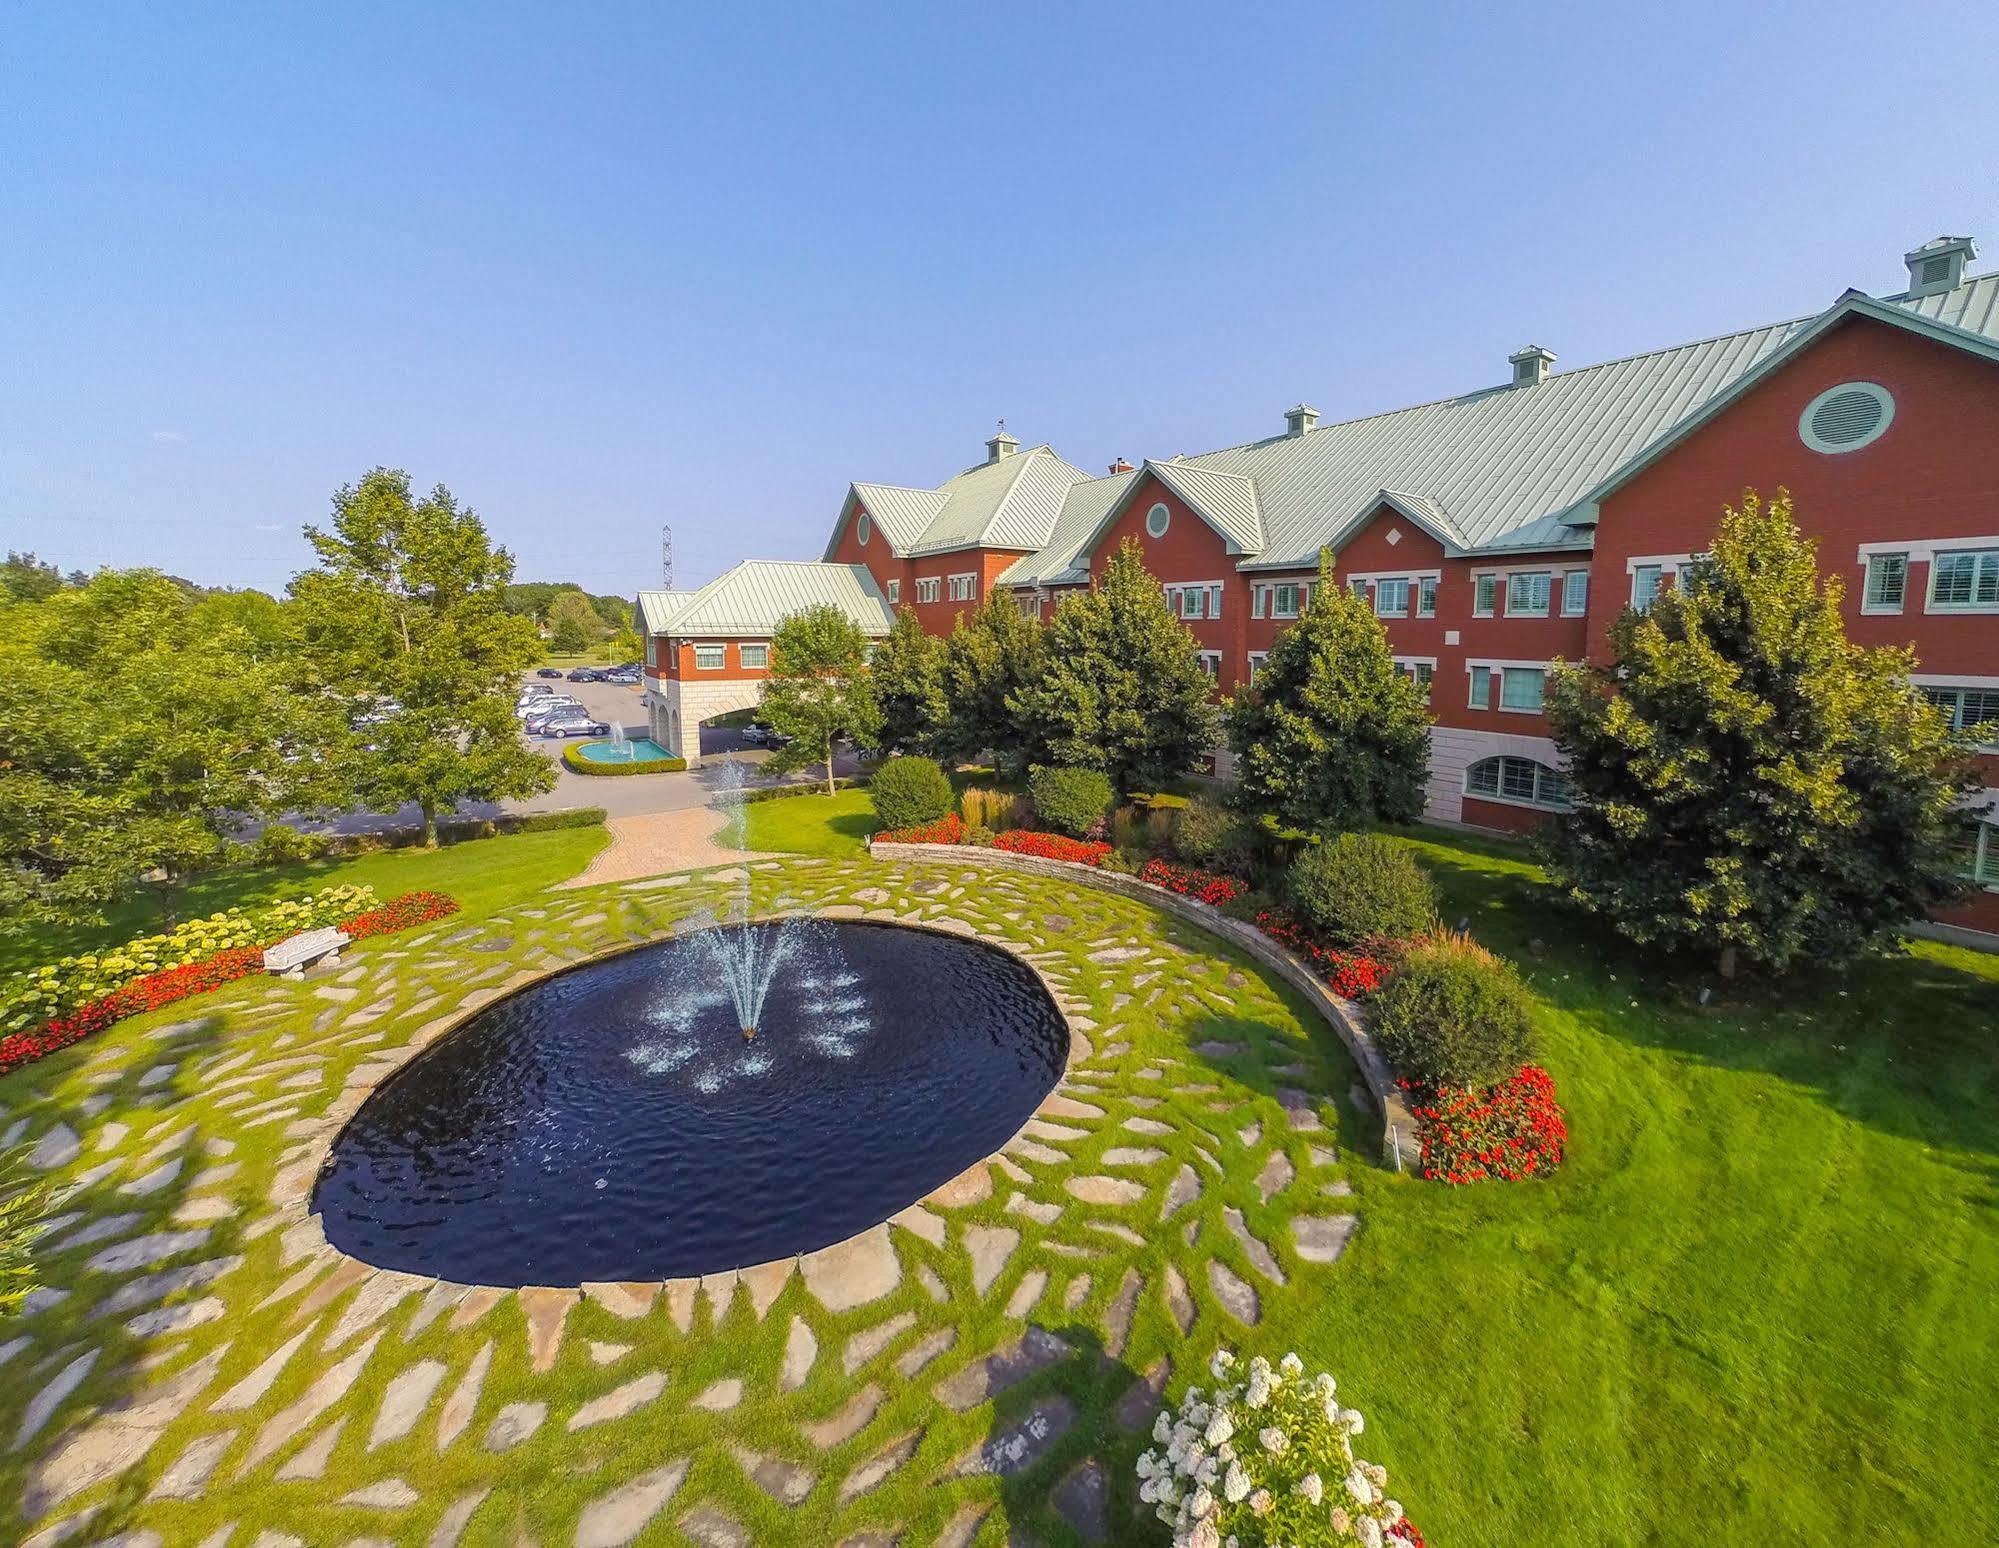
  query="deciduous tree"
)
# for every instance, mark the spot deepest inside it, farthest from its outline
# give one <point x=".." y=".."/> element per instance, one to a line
<point x="1329" y="736"/>
<point x="992" y="653"/>
<point x="1121" y="686"/>
<point x="819" y="689"/>
<point x="405" y="621"/>
<point x="1746" y="780"/>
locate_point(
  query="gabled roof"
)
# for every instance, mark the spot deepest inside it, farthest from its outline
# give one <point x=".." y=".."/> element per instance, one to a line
<point x="654" y="608"/>
<point x="757" y="595"/>
<point x="1064" y="559"/>
<point x="1225" y="501"/>
<point x="1012" y="502"/>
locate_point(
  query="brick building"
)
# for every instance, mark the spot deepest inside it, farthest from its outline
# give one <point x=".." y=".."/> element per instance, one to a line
<point x="1497" y="531"/>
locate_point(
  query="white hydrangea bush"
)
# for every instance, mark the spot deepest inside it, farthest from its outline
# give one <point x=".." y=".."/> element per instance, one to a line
<point x="1267" y="1461"/>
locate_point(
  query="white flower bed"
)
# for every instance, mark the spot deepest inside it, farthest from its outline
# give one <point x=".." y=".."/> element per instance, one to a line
<point x="1266" y="1463"/>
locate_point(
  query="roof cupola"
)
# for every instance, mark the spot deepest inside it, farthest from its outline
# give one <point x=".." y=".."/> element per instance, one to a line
<point x="1000" y="444"/>
<point x="1300" y="419"/>
<point x="1938" y="265"/>
<point x="1531" y="365"/>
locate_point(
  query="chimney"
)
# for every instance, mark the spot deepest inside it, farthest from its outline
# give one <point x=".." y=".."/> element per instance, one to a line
<point x="1120" y="466"/>
<point x="1530" y="365"/>
<point x="1938" y="265"/>
<point x="1300" y="419"/>
<point x="1001" y="444"/>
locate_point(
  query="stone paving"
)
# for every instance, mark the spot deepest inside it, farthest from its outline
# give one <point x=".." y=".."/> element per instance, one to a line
<point x="656" y="842"/>
<point x="204" y="1369"/>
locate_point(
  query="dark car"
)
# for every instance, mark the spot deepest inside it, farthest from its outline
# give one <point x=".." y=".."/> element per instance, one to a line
<point x="562" y="726"/>
<point x="548" y="672"/>
<point x="586" y="675"/>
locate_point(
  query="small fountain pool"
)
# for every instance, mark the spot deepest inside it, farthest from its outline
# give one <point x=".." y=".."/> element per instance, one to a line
<point x="613" y="1122"/>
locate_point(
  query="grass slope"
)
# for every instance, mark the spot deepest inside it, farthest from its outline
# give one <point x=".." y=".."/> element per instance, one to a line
<point x="836" y="826"/>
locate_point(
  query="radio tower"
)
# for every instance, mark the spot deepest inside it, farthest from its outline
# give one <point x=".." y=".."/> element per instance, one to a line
<point x="666" y="557"/>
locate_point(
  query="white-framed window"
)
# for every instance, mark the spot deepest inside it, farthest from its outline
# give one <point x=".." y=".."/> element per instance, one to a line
<point x="1157" y="520"/>
<point x="1520" y="781"/>
<point x="1029" y="602"/>
<point x="862" y="529"/>
<point x="1422" y="668"/>
<point x="1484" y="591"/>
<point x="1391" y="598"/>
<point x="1965" y="580"/>
<point x="710" y="658"/>
<point x="1211" y="663"/>
<point x="1256" y="661"/>
<point x="1645" y="585"/>
<point x="964" y="588"/>
<point x="1426" y="597"/>
<point x="1194" y="601"/>
<point x="755" y="658"/>
<point x="1528" y="593"/>
<point x="1481" y="688"/>
<point x="1521" y="689"/>
<point x="1970" y="707"/>
<point x="1279" y="599"/>
<point x="1981" y="852"/>
<point x="1886" y="585"/>
<point x="1575" y="593"/>
<point x="927" y="589"/>
<point x="894" y="591"/>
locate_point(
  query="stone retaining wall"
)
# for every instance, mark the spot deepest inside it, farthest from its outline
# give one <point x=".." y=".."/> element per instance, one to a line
<point x="1342" y="1015"/>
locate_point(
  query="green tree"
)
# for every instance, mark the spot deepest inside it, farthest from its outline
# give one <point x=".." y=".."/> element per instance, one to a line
<point x="1744" y="779"/>
<point x="908" y="673"/>
<point x="1330" y="736"/>
<point x="573" y="624"/>
<point x="140" y="727"/>
<point x="819" y="688"/>
<point x="405" y="621"/>
<point x="625" y="642"/>
<point x="26" y="1202"/>
<point x="1122" y="688"/>
<point x="24" y="578"/>
<point x="992" y="654"/>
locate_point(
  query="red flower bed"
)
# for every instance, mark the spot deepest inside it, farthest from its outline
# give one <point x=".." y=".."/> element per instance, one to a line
<point x="948" y="829"/>
<point x="164" y="988"/>
<point x="1407" y="1533"/>
<point x="1511" y="1131"/>
<point x="1191" y="882"/>
<point x="403" y="913"/>
<point x="1051" y="846"/>
<point x="1349" y="974"/>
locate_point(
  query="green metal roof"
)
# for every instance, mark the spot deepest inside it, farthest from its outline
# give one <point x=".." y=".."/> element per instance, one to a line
<point x="757" y="595"/>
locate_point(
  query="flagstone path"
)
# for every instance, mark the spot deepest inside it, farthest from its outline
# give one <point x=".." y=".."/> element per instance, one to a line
<point x="204" y="1369"/>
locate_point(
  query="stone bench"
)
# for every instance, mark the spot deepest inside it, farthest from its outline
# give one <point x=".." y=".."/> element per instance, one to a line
<point x="292" y="955"/>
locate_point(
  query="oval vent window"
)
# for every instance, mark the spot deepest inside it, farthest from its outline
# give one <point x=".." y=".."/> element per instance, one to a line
<point x="862" y="528"/>
<point x="1846" y="418"/>
<point x="1156" y="520"/>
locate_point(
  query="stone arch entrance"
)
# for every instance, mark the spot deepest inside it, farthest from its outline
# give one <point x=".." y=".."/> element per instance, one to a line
<point x="675" y="709"/>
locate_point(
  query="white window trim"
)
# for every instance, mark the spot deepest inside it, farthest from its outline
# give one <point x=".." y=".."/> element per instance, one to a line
<point x="1958" y="680"/>
<point x="1555" y="563"/>
<point x="1956" y="609"/>
<point x="1407" y="610"/>
<point x="1497" y="685"/>
<point x="863" y="528"/>
<point x="753" y="666"/>
<point x="1565" y="576"/>
<point x="1270" y="600"/>
<point x="1666" y="562"/>
<point x="1505" y="597"/>
<point x="1211" y="663"/>
<point x="894" y="591"/>
<point x="933" y="584"/>
<point x="1413" y="661"/>
<point x="1411" y="576"/>
<point x="1922" y="550"/>
<point x="1164" y="512"/>
<point x="1499" y="799"/>
<point x="1884" y="609"/>
<point x="1988" y="846"/>
<point x="1497" y="591"/>
<point x="1256" y="660"/>
<point x="1881" y="395"/>
<point x="970" y="580"/>
<point x="721" y="666"/>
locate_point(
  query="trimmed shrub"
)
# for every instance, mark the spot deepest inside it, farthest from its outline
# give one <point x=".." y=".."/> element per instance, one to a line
<point x="908" y="792"/>
<point x="749" y="795"/>
<point x="983" y="807"/>
<point x="1071" y="801"/>
<point x="547" y="822"/>
<point x="1454" y="1015"/>
<point x="282" y="844"/>
<point x="574" y="761"/>
<point x="1359" y="885"/>
<point x="1214" y="838"/>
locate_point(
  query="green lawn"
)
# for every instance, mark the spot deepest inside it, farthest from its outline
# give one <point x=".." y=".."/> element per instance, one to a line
<point x="482" y="874"/>
<point x="834" y="825"/>
<point x="1760" y="1302"/>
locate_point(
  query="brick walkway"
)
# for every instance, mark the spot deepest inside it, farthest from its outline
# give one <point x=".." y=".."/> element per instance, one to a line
<point x="658" y="842"/>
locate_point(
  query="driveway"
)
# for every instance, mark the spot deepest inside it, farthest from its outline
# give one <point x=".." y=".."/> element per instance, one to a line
<point x="629" y="796"/>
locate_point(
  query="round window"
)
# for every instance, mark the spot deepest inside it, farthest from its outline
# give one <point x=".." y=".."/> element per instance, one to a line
<point x="862" y="528"/>
<point x="1156" y="520"/>
<point x="1846" y="418"/>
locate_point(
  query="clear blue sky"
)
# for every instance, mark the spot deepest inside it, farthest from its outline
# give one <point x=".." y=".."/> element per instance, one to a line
<point x="597" y="268"/>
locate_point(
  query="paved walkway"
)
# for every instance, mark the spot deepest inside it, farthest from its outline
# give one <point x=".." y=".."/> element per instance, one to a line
<point x="654" y="843"/>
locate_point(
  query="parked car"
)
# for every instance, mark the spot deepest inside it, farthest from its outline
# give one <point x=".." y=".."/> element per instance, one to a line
<point x="562" y="726"/>
<point x="541" y="717"/>
<point x="548" y="672"/>
<point x="586" y="675"/>
<point x="625" y="676"/>
<point x="545" y="702"/>
<point x="755" y="734"/>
